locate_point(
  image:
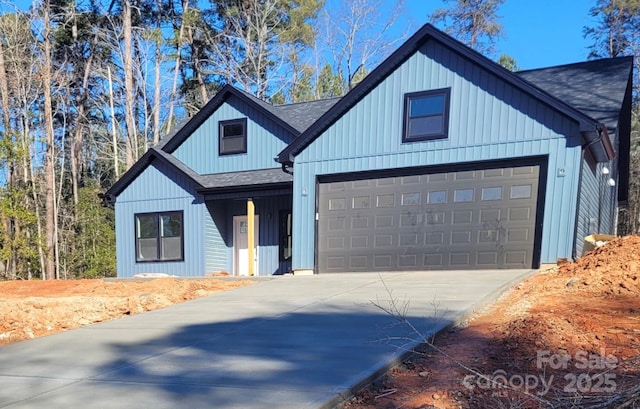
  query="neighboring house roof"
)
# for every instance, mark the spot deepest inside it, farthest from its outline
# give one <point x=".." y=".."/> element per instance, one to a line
<point x="596" y="88"/>
<point x="590" y="127"/>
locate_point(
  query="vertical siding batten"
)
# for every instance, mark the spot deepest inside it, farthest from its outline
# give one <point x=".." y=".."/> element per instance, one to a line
<point x="200" y="150"/>
<point x="144" y="195"/>
<point x="489" y="120"/>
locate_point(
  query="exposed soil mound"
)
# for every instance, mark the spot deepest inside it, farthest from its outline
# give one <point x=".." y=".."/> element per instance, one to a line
<point x="565" y="338"/>
<point x="30" y="309"/>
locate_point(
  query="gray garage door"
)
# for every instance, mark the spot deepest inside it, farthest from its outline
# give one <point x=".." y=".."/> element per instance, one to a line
<point x="448" y="220"/>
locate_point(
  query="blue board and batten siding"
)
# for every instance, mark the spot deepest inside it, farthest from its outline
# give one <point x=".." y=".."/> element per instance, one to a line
<point x="489" y="120"/>
<point x="215" y="233"/>
<point x="597" y="202"/>
<point x="160" y="189"/>
<point x="265" y="139"/>
<point x="208" y="225"/>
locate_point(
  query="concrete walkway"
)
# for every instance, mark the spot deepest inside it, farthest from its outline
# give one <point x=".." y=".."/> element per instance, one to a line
<point x="290" y="342"/>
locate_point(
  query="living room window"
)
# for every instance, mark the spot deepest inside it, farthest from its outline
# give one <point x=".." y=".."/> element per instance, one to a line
<point x="159" y="236"/>
<point x="233" y="136"/>
<point x="426" y="115"/>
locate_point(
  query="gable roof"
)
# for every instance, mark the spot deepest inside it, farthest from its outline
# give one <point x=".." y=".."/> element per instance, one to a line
<point x="608" y="83"/>
<point x="593" y="132"/>
<point x="109" y="197"/>
<point x="210" y="183"/>
<point x="294" y="118"/>
<point x="177" y="137"/>
<point x="580" y="84"/>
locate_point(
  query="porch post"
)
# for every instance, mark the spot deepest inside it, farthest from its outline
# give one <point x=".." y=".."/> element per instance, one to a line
<point x="250" y="235"/>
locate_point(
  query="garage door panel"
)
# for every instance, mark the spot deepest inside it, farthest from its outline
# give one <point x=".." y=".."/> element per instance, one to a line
<point x="465" y="219"/>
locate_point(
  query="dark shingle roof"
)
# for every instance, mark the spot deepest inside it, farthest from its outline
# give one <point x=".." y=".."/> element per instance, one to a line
<point x="596" y="88"/>
<point x="301" y="115"/>
<point x="588" y="125"/>
<point x="294" y="118"/>
<point x="245" y="179"/>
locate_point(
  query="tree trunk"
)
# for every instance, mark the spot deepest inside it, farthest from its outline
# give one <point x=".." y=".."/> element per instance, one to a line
<point x="114" y="135"/>
<point x="157" y="84"/>
<point x="174" y="87"/>
<point x="9" y="226"/>
<point x="27" y="164"/>
<point x="77" y="142"/>
<point x="49" y="163"/>
<point x="132" y="143"/>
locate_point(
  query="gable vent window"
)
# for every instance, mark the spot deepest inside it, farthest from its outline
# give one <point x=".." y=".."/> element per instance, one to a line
<point x="426" y="115"/>
<point x="233" y="136"/>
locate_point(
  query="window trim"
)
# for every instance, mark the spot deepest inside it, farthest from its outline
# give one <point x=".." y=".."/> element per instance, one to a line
<point x="158" y="216"/>
<point x="284" y="235"/>
<point x="408" y="97"/>
<point x="231" y="122"/>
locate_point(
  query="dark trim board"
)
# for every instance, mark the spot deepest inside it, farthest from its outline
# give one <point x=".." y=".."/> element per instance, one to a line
<point x="536" y="228"/>
<point x="588" y="126"/>
<point x="422" y="170"/>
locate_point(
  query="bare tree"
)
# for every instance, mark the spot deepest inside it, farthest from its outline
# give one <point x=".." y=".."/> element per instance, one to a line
<point x="51" y="271"/>
<point x="176" y="69"/>
<point x="357" y="35"/>
<point x="127" y="67"/>
<point x="246" y="47"/>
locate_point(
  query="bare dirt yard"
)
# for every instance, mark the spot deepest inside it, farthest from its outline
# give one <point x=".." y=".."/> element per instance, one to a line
<point x="565" y="338"/>
<point x="30" y="309"/>
<point x="568" y="337"/>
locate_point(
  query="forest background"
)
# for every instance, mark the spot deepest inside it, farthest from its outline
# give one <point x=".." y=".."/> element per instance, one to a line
<point x="88" y="86"/>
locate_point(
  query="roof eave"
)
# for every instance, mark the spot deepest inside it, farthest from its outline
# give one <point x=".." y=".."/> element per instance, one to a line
<point x="109" y="198"/>
<point x="244" y="188"/>
<point x="211" y="107"/>
<point x="423" y="35"/>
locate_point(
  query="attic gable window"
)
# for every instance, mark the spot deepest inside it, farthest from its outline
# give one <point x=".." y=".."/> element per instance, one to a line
<point x="232" y="136"/>
<point x="426" y="115"/>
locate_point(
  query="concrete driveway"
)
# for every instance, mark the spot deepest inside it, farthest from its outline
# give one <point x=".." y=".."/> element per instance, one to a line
<point x="290" y="342"/>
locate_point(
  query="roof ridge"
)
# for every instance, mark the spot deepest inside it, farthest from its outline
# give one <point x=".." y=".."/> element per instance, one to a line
<point x="306" y="102"/>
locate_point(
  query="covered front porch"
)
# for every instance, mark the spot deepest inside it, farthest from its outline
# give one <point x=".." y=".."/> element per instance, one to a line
<point x="248" y="228"/>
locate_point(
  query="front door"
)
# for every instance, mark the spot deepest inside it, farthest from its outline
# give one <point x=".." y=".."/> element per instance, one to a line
<point x="240" y="248"/>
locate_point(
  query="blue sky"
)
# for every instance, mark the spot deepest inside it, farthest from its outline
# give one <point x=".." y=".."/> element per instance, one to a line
<point x="539" y="33"/>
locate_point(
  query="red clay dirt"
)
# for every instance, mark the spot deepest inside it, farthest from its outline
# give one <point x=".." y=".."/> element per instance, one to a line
<point x="30" y="309"/>
<point x="568" y="337"/>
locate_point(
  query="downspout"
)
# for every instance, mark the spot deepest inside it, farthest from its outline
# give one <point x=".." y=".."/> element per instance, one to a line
<point x="574" y="251"/>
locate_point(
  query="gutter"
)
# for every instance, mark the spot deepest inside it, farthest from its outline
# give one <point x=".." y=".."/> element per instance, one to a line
<point x="603" y="140"/>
